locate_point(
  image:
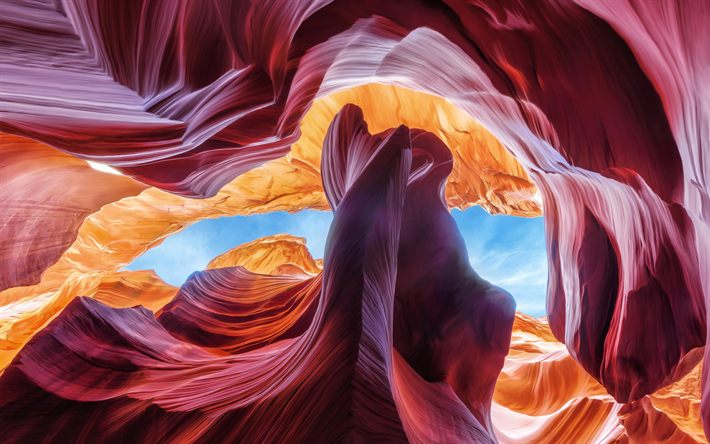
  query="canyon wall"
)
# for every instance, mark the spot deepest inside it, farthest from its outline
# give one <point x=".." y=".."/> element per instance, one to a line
<point x="604" y="107"/>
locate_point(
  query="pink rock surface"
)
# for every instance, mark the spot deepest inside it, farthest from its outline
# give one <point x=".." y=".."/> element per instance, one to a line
<point x="605" y="104"/>
<point x="238" y="355"/>
<point x="44" y="198"/>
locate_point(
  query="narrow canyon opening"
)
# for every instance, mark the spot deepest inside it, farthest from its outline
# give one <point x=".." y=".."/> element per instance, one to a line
<point x="303" y="221"/>
<point x="508" y="251"/>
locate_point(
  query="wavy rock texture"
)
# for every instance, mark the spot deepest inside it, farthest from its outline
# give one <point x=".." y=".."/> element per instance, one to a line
<point x="681" y="402"/>
<point x="278" y="254"/>
<point x="233" y="306"/>
<point x="103" y="246"/>
<point x="131" y="288"/>
<point x="21" y="319"/>
<point x="539" y="376"/>
<point x="543" y="396"/>
<point x="605" y="105"/>
<point x="644" y="423"/>
<point x="291" y="183"/>
<point x="234" y="310"/>
<point x="484" y="172"/>
<point x="227" y="115"/>
<point x="44" y="199"/>
<point x="239" y="346"/>
<point x="442" y="306"/>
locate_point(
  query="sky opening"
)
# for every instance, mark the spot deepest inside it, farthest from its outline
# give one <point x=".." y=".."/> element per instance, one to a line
<point x="508" y="251"/>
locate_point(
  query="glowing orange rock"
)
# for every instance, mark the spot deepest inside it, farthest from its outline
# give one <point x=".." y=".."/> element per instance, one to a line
<point x="293" y="183"/>
<point x="131" y="288"/>
<point x="539" y="376"/>
<point x="583" y="420"/>
<point x="22" y="316"/>
<point x="544" y="396"/>
<point x="102" y="246"/>
<point x="681" y="402"/>
<point x="277" y="254"/>
<point x="44" y="199"/>
<point x="620" y="164"/>
<point x="341" y="369"/>
<point x="645" y="424"/>
<point x="484" y="173"/>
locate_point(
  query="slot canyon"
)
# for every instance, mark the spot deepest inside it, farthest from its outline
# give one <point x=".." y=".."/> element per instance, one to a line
<point x="127" y="123"/>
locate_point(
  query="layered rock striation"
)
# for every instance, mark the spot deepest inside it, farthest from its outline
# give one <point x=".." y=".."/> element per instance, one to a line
<point x="604" y="105"/>
<point x="248" y="347"/>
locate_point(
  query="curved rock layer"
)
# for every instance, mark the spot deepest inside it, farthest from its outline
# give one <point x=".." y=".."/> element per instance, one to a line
<point x="681" y="402"/>
<point x="278" y="254"/>
<point x="605" y="105"/>
<point x="26" y="310"/>
<point x="542" y="395"/>
<point x="21" y="319"/>
<point x="131" y="288"/>
<point x="291" y="183"/>
<point x="484" y="174"/>
<point x="45" y="197"/>
<point x="227" y="110"/>
<point x="234" y="310"/>
<point x="253" y="360"/>
<point x="539" y="376"/>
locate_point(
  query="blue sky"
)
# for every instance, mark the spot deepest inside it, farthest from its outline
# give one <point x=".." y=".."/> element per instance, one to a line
<point x="508" y="251"/>
<point x="193" y="248"/>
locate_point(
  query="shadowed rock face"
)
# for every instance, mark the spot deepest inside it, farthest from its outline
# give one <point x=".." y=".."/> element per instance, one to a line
<point x="484" y="173"/>
<point x="605" y="105"/>
<point x="543" y="395"/>
<point x="442" y="306"/>
<point x="227" y="326"/>
<point x="43" y="202"/>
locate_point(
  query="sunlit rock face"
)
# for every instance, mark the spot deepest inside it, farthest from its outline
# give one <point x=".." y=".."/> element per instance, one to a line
<point x="484" y="173"/>
<point x="248" y="347"/>
<point x="22" y="317"/>
<point x="543" y="395"/>
<point x="45" y="197"/>
<point x="278" y="254"/>
<point x="605" y="106"/>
